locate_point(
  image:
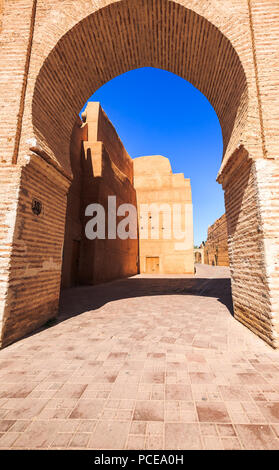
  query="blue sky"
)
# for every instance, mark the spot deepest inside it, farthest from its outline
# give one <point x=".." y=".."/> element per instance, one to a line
<point x="158" y="113"/>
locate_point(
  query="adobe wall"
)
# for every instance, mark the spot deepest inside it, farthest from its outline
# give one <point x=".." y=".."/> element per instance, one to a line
<point x="111" y="258"/>
<point x="155" y="183"/>
<point x="73" y="223"/>
<point x="10" y="180"/>
<point x="216" y="246"/>
<point x="101" y="168"/>
<point x="100" y="129"/>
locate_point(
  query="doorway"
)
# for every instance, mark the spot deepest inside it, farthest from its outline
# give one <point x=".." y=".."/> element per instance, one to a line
<point x="152" y="265"/>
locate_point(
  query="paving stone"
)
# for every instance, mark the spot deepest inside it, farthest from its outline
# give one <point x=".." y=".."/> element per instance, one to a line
<point x="113" y="383"/>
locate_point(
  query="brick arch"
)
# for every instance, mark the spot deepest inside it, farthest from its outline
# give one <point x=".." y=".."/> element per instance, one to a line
<point x="65" y="50"/>
<point x="129" y="34"/>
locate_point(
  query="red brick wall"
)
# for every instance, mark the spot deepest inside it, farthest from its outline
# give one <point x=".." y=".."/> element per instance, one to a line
<point x="36" y="255"/>
<point x="16" y="32"/>
<point x="1" y="14"/>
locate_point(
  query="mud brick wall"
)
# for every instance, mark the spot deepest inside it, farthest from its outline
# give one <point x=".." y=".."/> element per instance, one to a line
<point x="155" y="183"/>
<point x="104" y="260"/>
<point x="16" y="29"/>
<point x="250" y="286"/>
<point x="36" y="252"/>
<point x="216" y="246"/>
<point x="267" y="177"/>
<point x="10" y="178"/>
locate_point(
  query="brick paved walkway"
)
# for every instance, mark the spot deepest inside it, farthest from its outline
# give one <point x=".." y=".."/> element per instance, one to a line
<point x="146" y="362"/>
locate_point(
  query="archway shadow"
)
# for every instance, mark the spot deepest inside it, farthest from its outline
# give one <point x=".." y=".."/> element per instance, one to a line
<point x="78" y="300"/>
<point x="75" y="301"/>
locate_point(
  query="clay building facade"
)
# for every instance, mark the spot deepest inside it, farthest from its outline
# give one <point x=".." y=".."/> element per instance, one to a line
<point x="216" y="245"/>
<point x="101" y="168"/>
<point x="161" y="253"/>
<point x="232" y="58"/>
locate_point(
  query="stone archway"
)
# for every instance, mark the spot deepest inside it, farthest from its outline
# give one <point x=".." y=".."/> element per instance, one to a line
<point x="90" y="54"/>
<point x="69" y="51"/>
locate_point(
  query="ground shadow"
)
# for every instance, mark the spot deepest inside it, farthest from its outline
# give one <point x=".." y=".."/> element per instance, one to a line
<point x="81" y="299"/>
